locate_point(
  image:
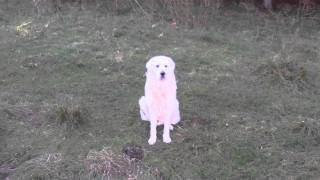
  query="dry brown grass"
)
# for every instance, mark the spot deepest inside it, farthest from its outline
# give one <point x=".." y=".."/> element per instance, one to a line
<point x="191" y="12"/>
<point x="106" y="163"/>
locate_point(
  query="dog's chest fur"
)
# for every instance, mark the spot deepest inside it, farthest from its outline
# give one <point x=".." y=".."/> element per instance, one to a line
<point x="160" y="96"/>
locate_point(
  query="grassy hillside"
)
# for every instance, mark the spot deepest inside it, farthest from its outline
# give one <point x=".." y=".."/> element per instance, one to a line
<point x="248" y="85"/>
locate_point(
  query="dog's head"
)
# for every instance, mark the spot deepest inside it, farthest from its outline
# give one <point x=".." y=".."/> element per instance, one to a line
<point x="160" y="68"/>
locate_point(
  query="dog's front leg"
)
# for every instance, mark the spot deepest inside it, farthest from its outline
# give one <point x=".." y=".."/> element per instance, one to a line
<point x="166" y="131"/>
<point x="153" y="130"/>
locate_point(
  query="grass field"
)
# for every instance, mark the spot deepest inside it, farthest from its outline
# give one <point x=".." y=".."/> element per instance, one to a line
<point x="248" y="86"/>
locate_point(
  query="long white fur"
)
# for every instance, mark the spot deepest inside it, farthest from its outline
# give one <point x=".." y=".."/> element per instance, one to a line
<point x="159" y="105"/>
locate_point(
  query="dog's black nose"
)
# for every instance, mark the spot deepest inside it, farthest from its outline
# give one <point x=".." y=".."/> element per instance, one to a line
<point x="162" y="73"/>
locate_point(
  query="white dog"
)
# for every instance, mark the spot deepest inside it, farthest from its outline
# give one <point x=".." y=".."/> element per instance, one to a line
<point x="160" y="105"/>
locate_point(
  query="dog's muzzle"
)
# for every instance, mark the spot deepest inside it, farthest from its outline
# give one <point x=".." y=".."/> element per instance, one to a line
<point x="162" y="75"/>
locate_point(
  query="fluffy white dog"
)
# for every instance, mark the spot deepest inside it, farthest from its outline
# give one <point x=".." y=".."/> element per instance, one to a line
<point x="160" y="105"/>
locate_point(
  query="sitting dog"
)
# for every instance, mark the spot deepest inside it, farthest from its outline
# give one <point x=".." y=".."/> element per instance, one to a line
<point x="159" y="105"/>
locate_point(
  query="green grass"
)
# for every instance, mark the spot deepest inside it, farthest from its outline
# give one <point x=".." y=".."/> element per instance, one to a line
<point x="248" y="86"/>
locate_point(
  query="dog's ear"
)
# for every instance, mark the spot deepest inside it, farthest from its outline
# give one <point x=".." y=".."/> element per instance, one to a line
<point x="172" y="64"/>
<point x="148" y="65"/>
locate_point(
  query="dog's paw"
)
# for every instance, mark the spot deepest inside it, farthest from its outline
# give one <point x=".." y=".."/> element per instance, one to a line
<point x="152" y="140"/>
<point x="166" y="139"/>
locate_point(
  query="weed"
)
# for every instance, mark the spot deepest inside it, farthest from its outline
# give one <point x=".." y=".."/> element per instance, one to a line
<point x="71" y="116"/>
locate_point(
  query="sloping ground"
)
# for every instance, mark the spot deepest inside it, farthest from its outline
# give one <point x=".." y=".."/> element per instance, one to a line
<point x="248" y="86"/>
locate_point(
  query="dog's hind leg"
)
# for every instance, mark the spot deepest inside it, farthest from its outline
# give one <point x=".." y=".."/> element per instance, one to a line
<point x="144" y="113"/>
<point x="166" y="131"/>
<point x="176" y="114"/>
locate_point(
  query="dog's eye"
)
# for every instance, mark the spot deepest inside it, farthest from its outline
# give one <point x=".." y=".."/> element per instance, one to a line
<point x="157" y="66"/>
<point x="166" y="66"/>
